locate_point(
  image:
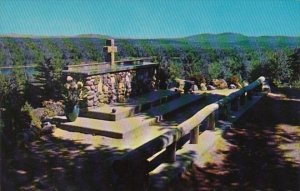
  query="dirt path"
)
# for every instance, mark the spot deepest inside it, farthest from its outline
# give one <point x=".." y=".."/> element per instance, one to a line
<point x="263" y="151"/>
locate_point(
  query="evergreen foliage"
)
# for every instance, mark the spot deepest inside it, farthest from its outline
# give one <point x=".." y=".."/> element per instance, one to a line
<point x="214" y="56"/>
<point x="200" y="58"/>
<point x="12" y="99"/>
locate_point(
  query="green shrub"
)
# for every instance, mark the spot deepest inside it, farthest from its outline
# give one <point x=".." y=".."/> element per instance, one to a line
<point x="34" y="118"/>
<point x="296" y="83"/>
<point x="175" y="70"/>
<point x="214" y="70"/>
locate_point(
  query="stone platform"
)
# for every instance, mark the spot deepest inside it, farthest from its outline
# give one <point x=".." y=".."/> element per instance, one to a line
<point x="132" y="120"/>
<point x="131" y="132"/>
<point x="117" y="111"/>
<point x="105" y="68"/>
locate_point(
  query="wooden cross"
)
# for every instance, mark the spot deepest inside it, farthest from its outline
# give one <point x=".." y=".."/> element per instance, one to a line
<point x="110" y="49"/>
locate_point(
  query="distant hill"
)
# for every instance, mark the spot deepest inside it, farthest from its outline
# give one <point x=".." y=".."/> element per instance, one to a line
<point x="225" y="41"/>
<point x="31" y="50"/>
<point x="232" y="40"/>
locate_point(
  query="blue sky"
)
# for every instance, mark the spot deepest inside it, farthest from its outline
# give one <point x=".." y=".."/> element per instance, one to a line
<point x="150" y="19"/>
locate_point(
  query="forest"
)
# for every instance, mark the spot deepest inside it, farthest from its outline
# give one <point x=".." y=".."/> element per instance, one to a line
<point x="214" y="56"/>
<point x="207" y="55"/>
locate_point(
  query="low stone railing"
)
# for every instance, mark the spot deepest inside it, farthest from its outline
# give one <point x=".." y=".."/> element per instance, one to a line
<point x="136" y="161"/>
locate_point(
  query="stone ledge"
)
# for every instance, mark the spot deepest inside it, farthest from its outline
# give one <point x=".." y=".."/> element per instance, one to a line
<point x="190" y="154"/>
<point x="118" y="130"/>
<point x="160" y="111"/>
<point x="134" y="106"/>
<point x="103" y="68"/>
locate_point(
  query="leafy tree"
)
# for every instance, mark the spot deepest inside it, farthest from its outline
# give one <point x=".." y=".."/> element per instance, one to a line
<point x="11" y="100"/>
<point x="294" y="62"/>
<point x="50" y="70"/>
<point x="126" y="49"/>
<point x="175" y="70"/>
<point x="15" y="53"/>
<point x="75" y="54"/>
<point x="147" y="48"/>
<point x="49" y="74"/>
<point x="191" y="65"/>
<point x="37" y="55"/>
<point x="91" y="51"/>
<point x="214" y="70"/>
<point x="278" y="68"/>
<point x="2" y="55"/>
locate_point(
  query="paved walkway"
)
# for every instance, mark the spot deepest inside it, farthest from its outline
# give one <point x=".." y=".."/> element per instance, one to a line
<point x="261" y="153"/>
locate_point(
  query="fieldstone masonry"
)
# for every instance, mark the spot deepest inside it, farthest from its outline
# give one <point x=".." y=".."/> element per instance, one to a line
<point x="114" y="81"/>
<point x="118" y="86"/>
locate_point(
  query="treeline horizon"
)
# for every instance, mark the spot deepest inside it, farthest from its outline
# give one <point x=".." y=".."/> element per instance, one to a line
<point x="210" y="55"/>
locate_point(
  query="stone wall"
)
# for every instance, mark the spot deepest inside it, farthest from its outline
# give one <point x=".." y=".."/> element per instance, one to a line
<point x="118" y="86"/>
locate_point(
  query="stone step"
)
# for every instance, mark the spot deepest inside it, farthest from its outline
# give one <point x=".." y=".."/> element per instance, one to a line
<point x="114" y="129"/>
<point x="132" y="107"/>
<point x="132" y="127"/>
<point x="185" y="100"/>
<point x="158" y="113"/>
<point x="155" y="114"/>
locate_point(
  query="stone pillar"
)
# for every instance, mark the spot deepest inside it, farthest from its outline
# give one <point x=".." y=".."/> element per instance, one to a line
<point x="194" y="135"/>
<point x="249" y="95"/>
<point x="171" y="152"/>
<point x="235" y="104"/>
<point x="224" y="112"/>
<point x="211" y="122"/>
<point x="243" y="99"/>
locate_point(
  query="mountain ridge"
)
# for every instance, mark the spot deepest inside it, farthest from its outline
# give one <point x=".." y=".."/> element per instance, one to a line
<point x="225" y="34"/>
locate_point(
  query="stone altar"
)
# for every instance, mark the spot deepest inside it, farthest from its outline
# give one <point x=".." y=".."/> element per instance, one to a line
<point x="114" y="81"/>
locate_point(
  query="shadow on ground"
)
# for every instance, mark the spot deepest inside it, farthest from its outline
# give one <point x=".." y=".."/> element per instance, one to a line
<point x="51" y="163"/>
<point x="264" y="151"/>
<point x="264" y="155"/>
<point x="54" y="164"/>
